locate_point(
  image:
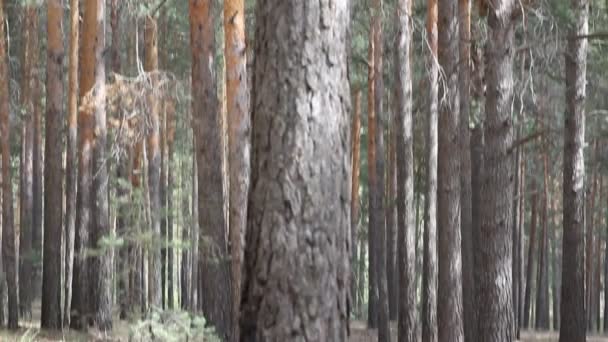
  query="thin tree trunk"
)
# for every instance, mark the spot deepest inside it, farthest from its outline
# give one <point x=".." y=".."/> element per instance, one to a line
<point x="372" y="313"/>
<point x="464" y="82"/>
<point x="477" y="169"/>
<point x="521" y="250"/>
<point x="285" y="298"/>
<point x="170" y="108"/>
<point x="429" y="263"/>
<point x="101" y="286"/>
<point x="516" y="264"/>
<point x="354" y="203"/>
<point x="404" y="142"/>
<point x="606" y="275"/>
<point x="391" y="220"/>
<point x="542" y="295"/>
<point x="572" y="328"/>
<point x="26" y="255"/>
<point x="8" y="233"/>
<point x="154" y="165"/>
<point x="239" y="127"/>
<point x="598" y="261"/>
<point x="589" y="238"/>
<point x="530" y="270"/>
<point x="380" y="223"/>
<point x="194" y="294"/>
<point x="449" y="300"/>
<point x="71" y="159"/>
<point x="53" y="185"/>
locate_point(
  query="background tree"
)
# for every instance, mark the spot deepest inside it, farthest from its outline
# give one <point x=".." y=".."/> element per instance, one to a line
<point x="239" y="126"/>
<point x="405" y="174"/>
<point x="8" y="232"/>
<point x="215" y="296"/>
<point x="51" y="317"/>
<point x="572" y="327"/>
<point x="449" y="301"/>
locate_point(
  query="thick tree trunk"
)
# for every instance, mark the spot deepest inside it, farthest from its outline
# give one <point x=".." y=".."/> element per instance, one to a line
<point x="404" y="132"/>
<point x="572" y="328"/>
<point x="239" y="127"/>
<point x="8" y="232"/>
<point x="429" y="262"/>
<point x="71" y="158"/>
<point x="449" y="301"/>
<point x="354" y="202"/>
<point x="53" y="185"/>
<point x="300" y="177"/>
<point x="464" y="84"/>
<point x="495" y="239"/>
<point x="26" y="255"/>
<point x="531" y="266"/>
<point x="215" y="296"/>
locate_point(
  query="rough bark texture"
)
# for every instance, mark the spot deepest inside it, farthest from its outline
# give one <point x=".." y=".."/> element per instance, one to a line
<point x="154" y="165"/>
<point x="26" y="255"/>
<point x="215" y="295"/>
<point x="296" y="258"/>
<point x="239" y="127"/>
<point x="429" y="262"/>
<point x="71" y="176"/>
<point x="379" y="203"/>
<point x="495" y="240"/>
<point x="354" y="202"/>
<point x="572" y="328"/>
<point x="449" y="301"/>
<point x="53" y="184"/>
<point x="8" y="233"/>
<point x="404" y="131"/>
<point x="464" y="84"/>
<point x="372" y="293"/>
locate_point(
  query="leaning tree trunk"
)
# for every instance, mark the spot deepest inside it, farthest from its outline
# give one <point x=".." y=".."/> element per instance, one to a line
<point x="299" y="200"/>
<point x="404" y="131"/>
<point x="572" y="327"/>
<point x="449" y="301"/>
<point x="495" y="240"/>
<point x="215" y="296"/>
<point x="30" y="48"/>
<point x="8" y="232"/>
<point x="429" y="262"/>
<point x="239" y="126"/>
<point x="53" y="186"/>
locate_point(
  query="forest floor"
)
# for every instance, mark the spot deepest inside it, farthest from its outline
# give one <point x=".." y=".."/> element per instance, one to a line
<point x="30" y="331"/>
<point x="360" y="333"/>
